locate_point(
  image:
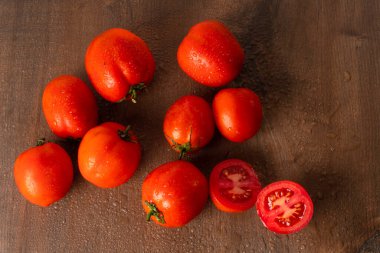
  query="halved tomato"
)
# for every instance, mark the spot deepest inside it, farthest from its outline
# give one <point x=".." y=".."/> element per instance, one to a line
<point x="284" y="207"/>
<point x="234" y="186"/>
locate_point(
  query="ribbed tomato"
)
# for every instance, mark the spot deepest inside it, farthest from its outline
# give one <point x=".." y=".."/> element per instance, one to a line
<point x="119" y="64"/>
<point x="69" y="107"/>
<point x="210" y="54"/>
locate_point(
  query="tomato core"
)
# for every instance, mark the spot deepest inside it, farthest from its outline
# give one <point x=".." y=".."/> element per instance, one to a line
<point x="235" y="184"/>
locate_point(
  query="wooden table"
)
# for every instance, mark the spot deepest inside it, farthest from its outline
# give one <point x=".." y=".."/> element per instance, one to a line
<point x="315" y="66"/>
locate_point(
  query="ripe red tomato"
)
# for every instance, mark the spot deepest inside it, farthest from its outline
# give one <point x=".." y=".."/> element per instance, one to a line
<point x="119" y="64"/>
<point x="284" y="207"/>
<point x="69" y="107"/>
<point x="210" y="54"/>
<point x="238" y="113"/>
<point x="108" y="155"/>
<point x="234" y="186"/>
<point x="189" y="124"/>
<point x="174" y="193"/>
<point x="43" y="174"/>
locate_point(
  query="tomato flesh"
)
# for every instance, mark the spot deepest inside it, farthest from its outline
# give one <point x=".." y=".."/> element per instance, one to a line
<point x="281" y="199"/>
<point x="234" y="186"/>
<point x="284" y="207"/>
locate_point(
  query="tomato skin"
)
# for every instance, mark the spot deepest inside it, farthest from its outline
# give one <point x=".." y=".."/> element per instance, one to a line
<point x="179" y="191"/>
<point x="238" y="113"/>
<point x="299" y="194"/>
<point x="210" y="54"/>
<point x="43" y="174"/>
<point x="116" y="60"/>
<point x="189" y="119"/>
<point x="69" y="107"/>
<point x="105" y="159"/>
<point x="227" y="205"/>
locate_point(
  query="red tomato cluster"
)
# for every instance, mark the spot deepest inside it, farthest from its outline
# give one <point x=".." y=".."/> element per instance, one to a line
<point x="119" y="65"/>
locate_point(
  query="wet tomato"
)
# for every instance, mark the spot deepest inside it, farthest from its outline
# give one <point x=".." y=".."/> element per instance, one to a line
<point x="210" y="54"/>
<point x="189" y="124"/>
<point x="119" y="64"/>
<point x="69" y="107"/>
<point x="174" y="193"/>
<point x="43" y="174"/>
<point x="284" y="207"/>
<point x="238" y="113"/>
<point x="109" y="155"/>
<point x="234" y="186"/>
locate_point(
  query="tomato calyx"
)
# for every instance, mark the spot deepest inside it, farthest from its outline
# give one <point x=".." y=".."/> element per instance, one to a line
<point x="153" y="211"/>
<point x="183" y="149"/>
<point x="126" y="135"/>
<point x="134" y="90"/>
<point x="41" y="142"/>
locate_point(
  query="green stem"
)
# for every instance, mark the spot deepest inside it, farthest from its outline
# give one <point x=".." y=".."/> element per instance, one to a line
<point x="134" y="90"/>
<point x="153" y="211"/>
<point x="41" y="142"/>
<point x="126" y="135"/>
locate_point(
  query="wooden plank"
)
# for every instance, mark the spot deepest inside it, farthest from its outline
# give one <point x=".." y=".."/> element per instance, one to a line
<point x="315" y="65"/>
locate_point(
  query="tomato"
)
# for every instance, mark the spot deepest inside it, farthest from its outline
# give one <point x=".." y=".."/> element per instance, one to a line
<point x="234" y="186"/>
<point x="174" y="193"/>
<point x="238" y="113"/>
<point x="119" y="64"/>
<point x="43" y="174"/>
<point x="210" y="54"/>
<point x="284" y="207"/>
<point x="69" y="107"/>
<point x="109" y="155"/>
<point x="189" y="124"/>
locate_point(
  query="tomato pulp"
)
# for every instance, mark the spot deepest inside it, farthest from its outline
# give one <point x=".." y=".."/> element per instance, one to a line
<point x="234" y="186"/>
<point x="284" y="207"/>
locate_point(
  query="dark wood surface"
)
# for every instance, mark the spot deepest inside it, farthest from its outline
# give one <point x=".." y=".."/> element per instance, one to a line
<point x="315" y="66"/>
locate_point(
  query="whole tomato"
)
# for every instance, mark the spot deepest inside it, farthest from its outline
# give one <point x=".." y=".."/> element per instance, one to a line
<point x="210" y="54"/>
<point x="189" y="124"/>
<point x="69" y="107"/>
<point x="174" y="193"/>
<point x="43" y="174"/>
<point x="119" y="64"/>
<point x="238" y="113"/>
<point x="108" y="155"/>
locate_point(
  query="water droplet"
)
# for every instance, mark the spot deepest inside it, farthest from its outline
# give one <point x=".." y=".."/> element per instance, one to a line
<point x="347" y="76"/>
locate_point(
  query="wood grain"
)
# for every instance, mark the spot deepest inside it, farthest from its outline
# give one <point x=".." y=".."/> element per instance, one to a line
<point x="315" y="65"/>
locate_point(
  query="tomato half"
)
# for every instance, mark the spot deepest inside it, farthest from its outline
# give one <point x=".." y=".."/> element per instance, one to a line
<point x="44" y="174"/>
<point x="174" y="193"/>
<point x="234" y="186"/>
<point x="119" y="64"/>
<point x="238" y="113"/>
<point x="210" y="54"/>
<point x="189" y="124"/>
<point x="108" y="155"/>
<point x="284" y="207"/>
<point x="69" y="107"/>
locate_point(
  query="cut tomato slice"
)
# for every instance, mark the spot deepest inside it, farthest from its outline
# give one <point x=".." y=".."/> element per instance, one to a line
<point x="234" y="186"/>
<point x="284" y="207"/>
